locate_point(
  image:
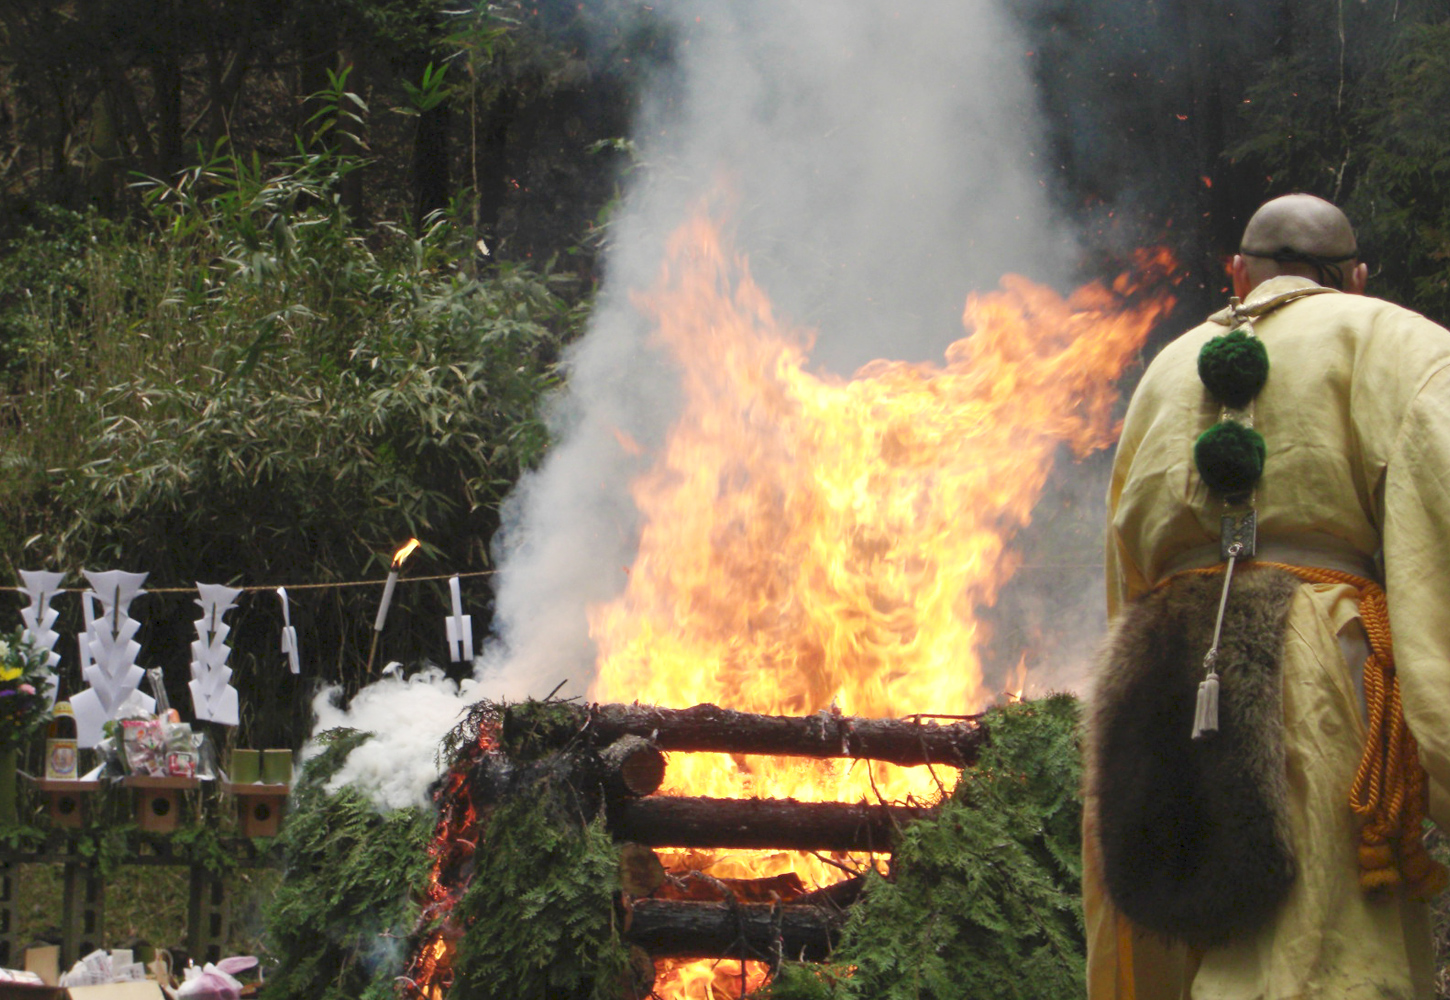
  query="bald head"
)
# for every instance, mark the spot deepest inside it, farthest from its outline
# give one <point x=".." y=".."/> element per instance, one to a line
<point x="1302" y="235"/>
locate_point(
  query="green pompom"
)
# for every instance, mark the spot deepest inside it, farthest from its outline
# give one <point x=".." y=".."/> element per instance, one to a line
<point x="1230" y="457"/>
<point x="1234" y="367"/>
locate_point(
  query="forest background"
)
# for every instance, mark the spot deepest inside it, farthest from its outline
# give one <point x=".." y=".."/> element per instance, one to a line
<point x="283" y="282"/>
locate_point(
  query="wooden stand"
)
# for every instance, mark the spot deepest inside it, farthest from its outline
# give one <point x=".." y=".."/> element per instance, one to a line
<point x="66" y="800"/>
<point x="158" y="800"/>
<point x="259" y="806"/>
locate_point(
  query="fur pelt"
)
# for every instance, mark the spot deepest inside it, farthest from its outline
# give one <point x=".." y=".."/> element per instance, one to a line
<point x="1194" y="834"/>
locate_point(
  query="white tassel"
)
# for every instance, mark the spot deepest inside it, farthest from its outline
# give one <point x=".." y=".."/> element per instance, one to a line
<point x="1205" y="719"/>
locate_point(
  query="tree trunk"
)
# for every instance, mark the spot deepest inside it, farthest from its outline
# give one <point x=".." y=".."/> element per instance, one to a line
<point x="766" y="932"/>
<point x="721" y="730"/>
<point x="166" y="80"/>
<point x="431" y="180"/>
<point x="316" y="54"/>
<point x="783" y="824"/>
<point x="490" y="155"/>
<point x="354" y="195"/>
<point x="226" y="71"/>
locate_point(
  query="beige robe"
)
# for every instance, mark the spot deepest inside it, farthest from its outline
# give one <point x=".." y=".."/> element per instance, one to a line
<point x="1356" y="418"/>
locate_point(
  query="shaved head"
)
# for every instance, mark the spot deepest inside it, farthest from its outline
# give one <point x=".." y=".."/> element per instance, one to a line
<point x="1302" y="235"/>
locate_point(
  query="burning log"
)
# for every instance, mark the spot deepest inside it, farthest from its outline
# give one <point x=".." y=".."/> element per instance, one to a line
<point x="635" y="766"/>
<point x="671" y="928"/>
<point x="722" y="730"/>
<point x="785" y="824"/>
<point x="840" y="895"/>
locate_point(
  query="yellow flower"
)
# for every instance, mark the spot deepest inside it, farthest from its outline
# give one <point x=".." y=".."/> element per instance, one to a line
<point x="10" y="673"/>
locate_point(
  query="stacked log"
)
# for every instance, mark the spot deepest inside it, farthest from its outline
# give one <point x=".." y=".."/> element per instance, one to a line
<point x="630" y="741"/>
<point x="744" y="824"/>
<point x="711" y="729"/>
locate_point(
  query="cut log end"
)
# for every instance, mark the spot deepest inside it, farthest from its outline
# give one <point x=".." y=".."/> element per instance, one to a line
<point x="635" y="766"/>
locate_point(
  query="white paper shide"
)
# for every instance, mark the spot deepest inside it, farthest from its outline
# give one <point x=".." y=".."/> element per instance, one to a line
<point x="212" y="696"/>
<point x="289" y="634"/>
<point x="108" y="649"/>
<point x="39" y="617"/>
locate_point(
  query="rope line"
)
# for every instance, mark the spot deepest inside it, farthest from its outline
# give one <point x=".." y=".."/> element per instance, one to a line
<point x="1390" y="793"/>
<point x="269" y="587"/>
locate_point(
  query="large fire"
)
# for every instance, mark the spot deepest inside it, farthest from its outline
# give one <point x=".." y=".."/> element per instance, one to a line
<point x="812" y="541"/>
<point x="815" y="543"/>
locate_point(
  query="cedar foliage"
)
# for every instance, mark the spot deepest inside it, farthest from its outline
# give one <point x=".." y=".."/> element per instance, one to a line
<point x="340" y="918"/>
<point x="540" y="907"/>
<point x="983" y="899"/>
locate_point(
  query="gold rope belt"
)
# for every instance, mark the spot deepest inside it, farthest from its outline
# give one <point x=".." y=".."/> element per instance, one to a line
<point x="1390" y="794"/>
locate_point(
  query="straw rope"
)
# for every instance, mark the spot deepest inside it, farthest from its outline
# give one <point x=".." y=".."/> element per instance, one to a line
<point x="268" y="587"/>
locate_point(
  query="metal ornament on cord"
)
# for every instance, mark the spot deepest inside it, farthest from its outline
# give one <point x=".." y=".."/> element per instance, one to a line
<point x="1236" y="547"/>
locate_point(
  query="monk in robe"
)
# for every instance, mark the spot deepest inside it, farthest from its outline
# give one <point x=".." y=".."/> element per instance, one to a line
<point x="1354" y="421"/>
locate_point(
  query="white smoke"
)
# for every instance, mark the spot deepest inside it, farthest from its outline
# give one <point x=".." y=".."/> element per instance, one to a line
<point x="881" y="160"/>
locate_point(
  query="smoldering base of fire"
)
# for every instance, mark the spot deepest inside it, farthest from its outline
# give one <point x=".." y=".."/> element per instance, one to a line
<point x="981" y="894"/>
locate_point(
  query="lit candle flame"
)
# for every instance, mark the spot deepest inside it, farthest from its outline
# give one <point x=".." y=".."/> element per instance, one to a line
<point x="404" y="552"/>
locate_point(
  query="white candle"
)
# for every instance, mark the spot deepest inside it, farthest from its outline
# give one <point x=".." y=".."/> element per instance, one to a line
<point x="387" y="600"/>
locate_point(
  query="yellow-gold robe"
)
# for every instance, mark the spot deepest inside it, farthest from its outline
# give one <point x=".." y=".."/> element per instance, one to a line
<point x="1356" y="420"/>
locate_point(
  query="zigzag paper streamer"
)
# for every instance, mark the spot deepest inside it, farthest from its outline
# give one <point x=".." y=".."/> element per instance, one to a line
<point x="109" y="651"/>
<point x="39" y="618"/>
<point x="212" y="696"/>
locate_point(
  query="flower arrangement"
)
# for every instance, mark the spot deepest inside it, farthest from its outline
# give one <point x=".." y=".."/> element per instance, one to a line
<point x="24" y="674"/>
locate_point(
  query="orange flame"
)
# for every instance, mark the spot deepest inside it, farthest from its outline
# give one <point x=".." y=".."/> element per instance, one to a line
<point x="405" y="552"/>
<point x="456" y="837"/>
<point x="813" y="541"/>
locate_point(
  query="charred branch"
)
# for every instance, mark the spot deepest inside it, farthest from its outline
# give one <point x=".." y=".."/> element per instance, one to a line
<point x="767" y="932"/>
<point x="709" y="728"/>
<point x="783" y="824"/>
